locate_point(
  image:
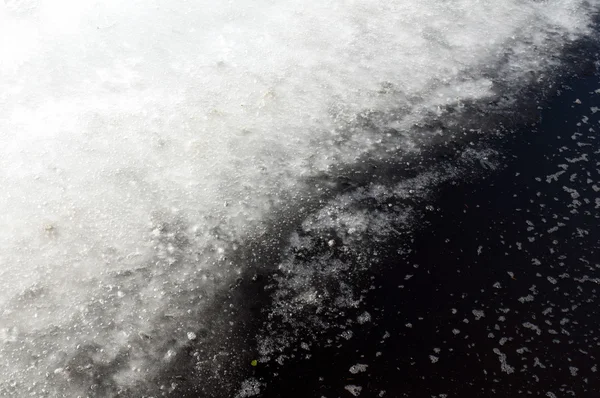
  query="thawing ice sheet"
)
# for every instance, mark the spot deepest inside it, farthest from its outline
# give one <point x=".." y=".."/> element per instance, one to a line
<point x="143" y="142"/>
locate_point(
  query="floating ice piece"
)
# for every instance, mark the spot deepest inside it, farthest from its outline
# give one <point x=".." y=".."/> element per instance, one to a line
<point x="353" y="389"/>
<point x="358" y="368"/>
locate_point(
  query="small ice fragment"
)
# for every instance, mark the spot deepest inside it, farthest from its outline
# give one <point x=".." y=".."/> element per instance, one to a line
<point x="573" y="370"/>
<point x="358" y="368"/>
<point x="364" y="318"/>
<point x="533" y="327"/>
<point x="249" y="388"/>
<point x="504" y="366"/>
<point x="478" y="314"/>
<point x="354" y="390"/>
<point x="191" y="336"/>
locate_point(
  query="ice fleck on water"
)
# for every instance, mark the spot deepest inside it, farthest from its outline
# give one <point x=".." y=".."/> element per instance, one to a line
<point x="547" y="311"/>
<point x="364" y="318"/>
<point x="191" y="336"/>
<point x="249" y="388"/>
<point x="538" y="363"/>
<point x="533" y="327"/>
<point x="354" y="390"/>
<point x="527" y="298"/>
<point x="573" y="370"/>
<point x="551" y="177"/>
<point x="478" y="314"/>
<point x="433" y="358"/>
<point x="358" y="368"/>
<point x="504" y="366"/>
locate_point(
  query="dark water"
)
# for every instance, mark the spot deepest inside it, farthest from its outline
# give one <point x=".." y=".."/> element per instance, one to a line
<point x="496" y="294"/>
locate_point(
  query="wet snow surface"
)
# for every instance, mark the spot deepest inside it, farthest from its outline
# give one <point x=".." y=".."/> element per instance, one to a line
<point x="247" y="199"/>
